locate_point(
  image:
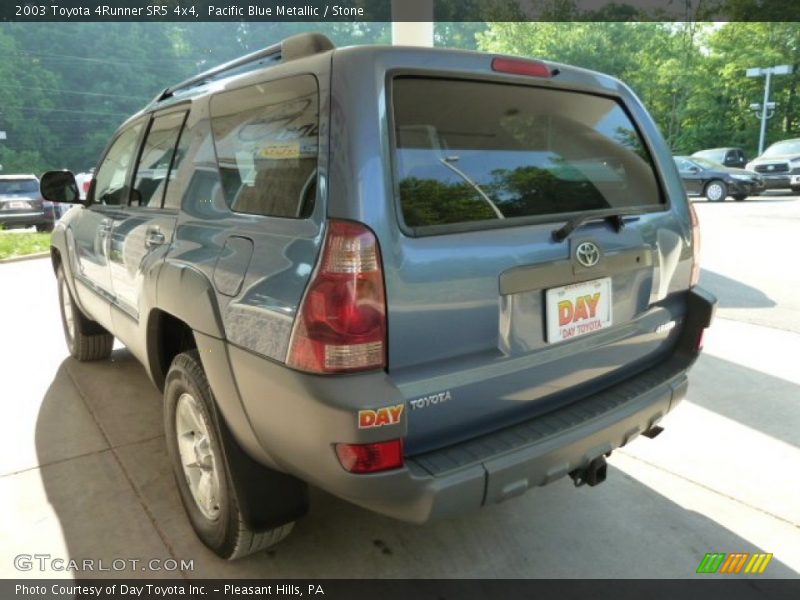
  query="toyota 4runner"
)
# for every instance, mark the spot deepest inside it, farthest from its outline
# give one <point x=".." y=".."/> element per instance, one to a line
<point x="423" y="280"/>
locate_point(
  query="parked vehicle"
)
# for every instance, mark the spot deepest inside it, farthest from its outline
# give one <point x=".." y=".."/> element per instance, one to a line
<point x="423" y="280"/>
<point x="779" y="165"/>
<point x="729" y="157"/>
<point x="716" y="182"/>
<point x="21" y="205"/>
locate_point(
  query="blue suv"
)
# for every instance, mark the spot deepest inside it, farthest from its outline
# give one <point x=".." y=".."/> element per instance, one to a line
<point x="423" y="280"/>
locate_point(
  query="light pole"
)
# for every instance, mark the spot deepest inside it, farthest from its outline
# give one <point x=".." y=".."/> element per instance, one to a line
<point x="765" y="106"/>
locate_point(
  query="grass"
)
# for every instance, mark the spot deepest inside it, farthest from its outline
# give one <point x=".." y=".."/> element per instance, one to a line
<point x="19" y="244"/>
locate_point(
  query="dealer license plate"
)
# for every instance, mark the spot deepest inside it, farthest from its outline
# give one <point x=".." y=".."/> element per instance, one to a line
<point x="577" y="309"/>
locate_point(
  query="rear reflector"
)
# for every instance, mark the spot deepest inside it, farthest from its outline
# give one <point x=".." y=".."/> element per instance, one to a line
<point x="700" y="340"/>
<point x="371" y="458"/>
<point x="341" y="324"/>
<point x="518" y="66"/>
<point x="694" y="278"/>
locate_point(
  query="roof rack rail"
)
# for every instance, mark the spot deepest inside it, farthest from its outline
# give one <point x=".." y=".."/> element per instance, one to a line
<point x="296" y="46"/>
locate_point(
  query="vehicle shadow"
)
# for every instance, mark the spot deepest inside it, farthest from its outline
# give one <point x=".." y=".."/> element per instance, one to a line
<point x="731" y="293"/>
<point x="119" y="501"/>
<point x="750" y="397"/>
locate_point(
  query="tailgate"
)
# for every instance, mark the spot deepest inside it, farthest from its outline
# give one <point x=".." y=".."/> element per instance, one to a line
<point x="491" y="318"/>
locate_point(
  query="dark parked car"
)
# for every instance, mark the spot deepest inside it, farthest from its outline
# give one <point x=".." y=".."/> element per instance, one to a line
<point x="21" y="205"/>
<point x="716" y="182"/>
<point x="729" y="157"/>
<point x="422" y="280"/>
<point x="779" y="165"/>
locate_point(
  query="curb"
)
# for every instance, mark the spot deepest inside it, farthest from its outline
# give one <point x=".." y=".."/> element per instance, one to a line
<point x="33" y="256"/>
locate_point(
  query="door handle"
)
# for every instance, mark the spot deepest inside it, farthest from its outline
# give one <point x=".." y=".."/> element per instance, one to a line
<point x="154" y="238"/>
<point x="105" y="228"/>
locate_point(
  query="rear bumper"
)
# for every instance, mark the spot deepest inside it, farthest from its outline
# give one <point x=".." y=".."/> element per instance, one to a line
<point x="25" y="219"/>
<point x="296" y="419"/>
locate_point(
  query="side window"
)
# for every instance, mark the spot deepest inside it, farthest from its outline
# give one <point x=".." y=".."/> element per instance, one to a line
<point x="267" y="141"/>
<point x="111" y="180"/>
<point x="197" y="187"/>
<point x="156" y="160"/>
<point x="172" y="195"/>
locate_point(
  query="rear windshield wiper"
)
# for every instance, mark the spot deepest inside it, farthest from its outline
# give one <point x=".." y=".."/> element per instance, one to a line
<point x="563" y="232"/>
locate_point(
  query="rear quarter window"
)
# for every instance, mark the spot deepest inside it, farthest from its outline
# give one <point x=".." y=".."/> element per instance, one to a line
<point x="267" y="141"/>
<point x="479" y="152"/>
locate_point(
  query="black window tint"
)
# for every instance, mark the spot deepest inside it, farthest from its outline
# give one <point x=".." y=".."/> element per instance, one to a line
<point x="156" y="159"/>
<point x="19" y="186"/>
<point x="470" y="151"/>
<point x="111" y="180"/>
<point x="267" y="141"/>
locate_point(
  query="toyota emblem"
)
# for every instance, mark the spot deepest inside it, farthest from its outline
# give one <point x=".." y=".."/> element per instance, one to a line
<point x="587" y="253"/>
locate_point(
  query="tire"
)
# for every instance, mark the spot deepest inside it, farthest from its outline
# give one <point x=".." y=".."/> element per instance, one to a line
<point x="196" y="454"/>
<point x="716" y="191"/>
<point x="739" y="197"/>
<point x="86" y="339"/>
<point x="795" y="189"/>
<point x="45" y="227"/>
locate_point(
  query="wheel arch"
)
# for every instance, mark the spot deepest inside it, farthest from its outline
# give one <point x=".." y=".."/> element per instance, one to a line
<point x="167" y="336"/>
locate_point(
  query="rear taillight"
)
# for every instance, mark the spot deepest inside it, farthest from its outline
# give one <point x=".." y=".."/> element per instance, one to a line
<point x="520" y="66"/>
<point x="371" y="458"/>
<point x="341" y="324"/>
<point x="86" y="185"/>
<point x="695" y="276"/>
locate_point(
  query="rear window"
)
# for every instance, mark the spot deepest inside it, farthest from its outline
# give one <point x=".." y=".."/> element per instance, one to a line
<point x="469" y="151"/>
<point x="783" y="148"/>
<point x="715" y="155"/>
<point x="19" y="186"/>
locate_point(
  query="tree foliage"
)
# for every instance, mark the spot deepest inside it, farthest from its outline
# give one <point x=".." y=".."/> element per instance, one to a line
<point x="65" y="87"/>
<point x="690" y="76"/>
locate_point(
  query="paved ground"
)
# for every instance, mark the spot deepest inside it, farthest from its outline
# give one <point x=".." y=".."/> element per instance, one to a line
<point x="83" y="470"/>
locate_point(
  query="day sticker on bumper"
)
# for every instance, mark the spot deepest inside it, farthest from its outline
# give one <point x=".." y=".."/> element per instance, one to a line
<point x="388" y="415"/>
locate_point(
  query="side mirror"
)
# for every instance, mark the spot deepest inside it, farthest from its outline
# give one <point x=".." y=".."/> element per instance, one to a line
<point x="693" y="170"/>
<point x="60" y="186"/>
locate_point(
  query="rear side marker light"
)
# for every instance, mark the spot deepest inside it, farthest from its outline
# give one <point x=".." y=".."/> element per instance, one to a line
<point x="341" y="323"/>
<point x="518" y="66"/>
<point x="694" y="278"/>
<point x="371" y="458"/>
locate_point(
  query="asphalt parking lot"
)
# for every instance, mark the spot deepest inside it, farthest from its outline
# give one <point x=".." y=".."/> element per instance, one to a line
<point x="84" y="473"/>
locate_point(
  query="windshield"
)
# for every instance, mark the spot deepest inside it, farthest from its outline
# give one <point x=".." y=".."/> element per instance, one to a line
<point x="706" y="164"/>
<point x="715" y="155"/>
<point x="513" y="151"/>
<point x="19" y="186"/>
<point x="782" y="148"/>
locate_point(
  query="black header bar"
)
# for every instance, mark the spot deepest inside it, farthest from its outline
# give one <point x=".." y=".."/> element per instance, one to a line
<point x="317" y="11"/>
